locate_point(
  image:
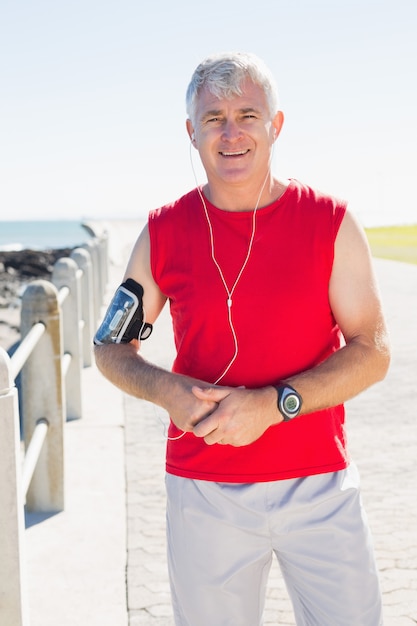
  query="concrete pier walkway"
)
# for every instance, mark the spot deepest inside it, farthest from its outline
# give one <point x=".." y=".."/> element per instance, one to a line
<point x="102" y="561"/>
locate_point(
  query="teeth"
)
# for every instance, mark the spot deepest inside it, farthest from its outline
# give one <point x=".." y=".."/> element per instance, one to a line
<point x="242" y="152"/>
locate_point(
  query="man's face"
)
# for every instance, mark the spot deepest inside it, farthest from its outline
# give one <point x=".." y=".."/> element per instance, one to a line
<point x="234" y="136"/>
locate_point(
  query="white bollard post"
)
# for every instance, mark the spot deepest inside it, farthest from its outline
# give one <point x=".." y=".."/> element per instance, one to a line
<point x="106" y="260"/>
<point x="13" y="604"/>
<point x="66" y="274"/>
<point x="103" y="255"/>
<point x="92" y="248"/>
<point x="83" y="259"/>
<point x="43" y="396"/>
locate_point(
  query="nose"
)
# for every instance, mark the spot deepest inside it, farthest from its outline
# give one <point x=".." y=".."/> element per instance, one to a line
<point x="231" y="131"/>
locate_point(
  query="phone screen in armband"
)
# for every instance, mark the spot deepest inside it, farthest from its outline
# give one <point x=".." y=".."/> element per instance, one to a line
<point x="118" y="317"/>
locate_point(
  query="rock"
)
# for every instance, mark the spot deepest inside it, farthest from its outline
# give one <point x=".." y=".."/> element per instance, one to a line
<point x="17" y="268"/>
<point x="31" y="263"/>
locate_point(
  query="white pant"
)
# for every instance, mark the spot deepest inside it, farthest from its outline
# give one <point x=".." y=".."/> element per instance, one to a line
<point x="221" y="538"/>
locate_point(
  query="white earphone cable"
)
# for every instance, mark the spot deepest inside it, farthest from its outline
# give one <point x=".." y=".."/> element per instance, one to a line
<point x="231" y="291"/>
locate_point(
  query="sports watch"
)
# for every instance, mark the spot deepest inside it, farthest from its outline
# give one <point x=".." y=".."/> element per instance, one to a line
<point x="289" y="402"/>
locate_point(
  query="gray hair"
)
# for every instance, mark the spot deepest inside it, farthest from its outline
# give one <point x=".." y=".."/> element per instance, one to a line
<point x="222" y="74"/>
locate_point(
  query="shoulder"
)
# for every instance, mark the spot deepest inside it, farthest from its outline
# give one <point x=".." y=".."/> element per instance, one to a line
<point x="315" y="196"/>
<point x="173" y="210"/>
<point x="320" y="211"/>
<point x="351" y="235"/>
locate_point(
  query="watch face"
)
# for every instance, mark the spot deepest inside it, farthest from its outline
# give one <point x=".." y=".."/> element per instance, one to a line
<point x="291" y="404"/>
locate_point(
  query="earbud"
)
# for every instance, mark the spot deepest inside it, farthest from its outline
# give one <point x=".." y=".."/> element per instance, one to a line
<point x="193" y="137"/>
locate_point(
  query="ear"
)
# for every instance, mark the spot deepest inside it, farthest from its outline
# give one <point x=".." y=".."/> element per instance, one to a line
<point x="277" y="123"/>
<point x="190" y="131"/>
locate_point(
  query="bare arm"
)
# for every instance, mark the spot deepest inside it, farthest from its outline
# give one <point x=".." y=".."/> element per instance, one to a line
<point x="356" y="305"/>
<point x="243" y="415"/>
<point x="124" y="366"/>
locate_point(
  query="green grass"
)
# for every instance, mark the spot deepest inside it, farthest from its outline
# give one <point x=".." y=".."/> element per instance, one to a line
<point x="398" y="243"/>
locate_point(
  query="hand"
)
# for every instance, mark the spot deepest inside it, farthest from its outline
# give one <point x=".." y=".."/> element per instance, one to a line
<point x="184" y="407"/>
<point x="241" y="417"/>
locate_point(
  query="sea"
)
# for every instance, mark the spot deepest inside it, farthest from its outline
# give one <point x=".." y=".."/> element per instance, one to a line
<point x="42" y="235"/>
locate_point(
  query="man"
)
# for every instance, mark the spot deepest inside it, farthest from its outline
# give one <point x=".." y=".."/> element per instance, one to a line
<point x="277" y="322"/>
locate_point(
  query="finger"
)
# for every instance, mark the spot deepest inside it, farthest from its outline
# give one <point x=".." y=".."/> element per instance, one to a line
<point x="214" y="394"/>
<point x="215" y="437"/>
<point x="206" y="427"/>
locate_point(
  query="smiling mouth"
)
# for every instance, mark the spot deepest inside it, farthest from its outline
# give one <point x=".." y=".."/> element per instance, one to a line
<point x="234" y="154"/>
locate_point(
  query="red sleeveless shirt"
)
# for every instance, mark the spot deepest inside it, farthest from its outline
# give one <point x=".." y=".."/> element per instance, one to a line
<point x="281" y="314"/>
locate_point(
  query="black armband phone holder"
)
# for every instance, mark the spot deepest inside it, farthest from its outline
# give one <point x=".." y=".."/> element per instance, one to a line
<point x="125" y="318"/>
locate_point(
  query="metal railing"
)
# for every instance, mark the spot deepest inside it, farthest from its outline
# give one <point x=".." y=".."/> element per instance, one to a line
<point x="58" y="319"/>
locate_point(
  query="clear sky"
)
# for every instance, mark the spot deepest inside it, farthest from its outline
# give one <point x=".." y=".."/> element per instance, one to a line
<point x="92" y="115"/>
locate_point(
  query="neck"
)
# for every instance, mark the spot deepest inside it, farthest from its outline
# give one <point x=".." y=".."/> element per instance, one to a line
<point x="236" y="198"/>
